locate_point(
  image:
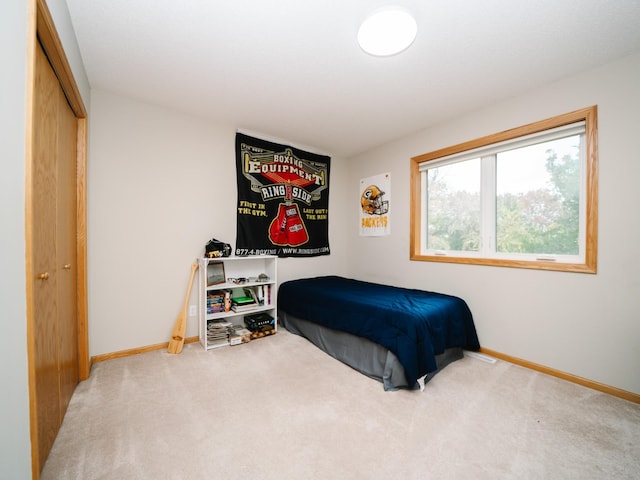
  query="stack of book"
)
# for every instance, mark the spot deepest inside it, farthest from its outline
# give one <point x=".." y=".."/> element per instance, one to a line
<point x="241" y="302"/>
<point x="216" y="301"/>
<point x="218" y="333"/>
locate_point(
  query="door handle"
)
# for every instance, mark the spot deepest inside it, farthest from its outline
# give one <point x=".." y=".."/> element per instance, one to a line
<point x="67" y="266"/>
<point x="43" y="276"/>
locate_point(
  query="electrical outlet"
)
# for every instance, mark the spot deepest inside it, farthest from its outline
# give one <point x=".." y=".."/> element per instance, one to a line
<point x="192" y="310"/>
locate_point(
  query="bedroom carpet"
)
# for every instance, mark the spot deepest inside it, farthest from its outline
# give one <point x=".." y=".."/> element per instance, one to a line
<point x="279" y="408"/>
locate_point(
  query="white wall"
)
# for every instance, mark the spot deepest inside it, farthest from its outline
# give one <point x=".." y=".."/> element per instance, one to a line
<point x="586" y="325"/>
<point x="15" y="445"/>
<point x="161" y="184"/>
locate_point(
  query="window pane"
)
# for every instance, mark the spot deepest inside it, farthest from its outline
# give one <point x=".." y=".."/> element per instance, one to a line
<point x="453" y="206"/>
<point x="538" y="198"/>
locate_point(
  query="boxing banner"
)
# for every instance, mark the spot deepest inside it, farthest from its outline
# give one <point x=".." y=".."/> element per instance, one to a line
<point x="283" y="200"/>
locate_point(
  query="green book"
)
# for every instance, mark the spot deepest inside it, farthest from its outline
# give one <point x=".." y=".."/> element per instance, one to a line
<point x="242" y="300"/>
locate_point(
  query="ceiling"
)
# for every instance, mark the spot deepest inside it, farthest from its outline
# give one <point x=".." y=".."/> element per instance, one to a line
<point x="292" y="70"/>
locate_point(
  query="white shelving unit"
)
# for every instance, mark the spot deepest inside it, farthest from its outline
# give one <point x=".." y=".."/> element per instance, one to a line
<point x="248" y="268"/>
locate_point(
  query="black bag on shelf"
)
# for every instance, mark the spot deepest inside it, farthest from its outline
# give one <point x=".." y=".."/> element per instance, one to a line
<point x="215" y="248"/>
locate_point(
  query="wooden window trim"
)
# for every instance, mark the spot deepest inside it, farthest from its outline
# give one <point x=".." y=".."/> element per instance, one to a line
<point x="589" y="116"/>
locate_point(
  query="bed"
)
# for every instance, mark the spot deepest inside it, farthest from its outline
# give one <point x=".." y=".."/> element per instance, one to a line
<point x="398" y="336"/>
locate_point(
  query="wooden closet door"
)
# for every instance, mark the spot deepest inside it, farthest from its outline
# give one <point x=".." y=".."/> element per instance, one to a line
<point x="53" y="254"/>
<point x="66" y="254"/>
<point x="47" y="381"/>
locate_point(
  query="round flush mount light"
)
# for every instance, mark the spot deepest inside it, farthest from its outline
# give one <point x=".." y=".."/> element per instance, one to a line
<point x="387" y="32"/>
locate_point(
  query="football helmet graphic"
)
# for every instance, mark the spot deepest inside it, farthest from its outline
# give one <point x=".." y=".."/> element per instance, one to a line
<point x="371" y="201"/>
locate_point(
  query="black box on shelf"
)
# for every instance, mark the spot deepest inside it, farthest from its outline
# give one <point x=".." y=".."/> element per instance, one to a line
<point x="257" y="320"/>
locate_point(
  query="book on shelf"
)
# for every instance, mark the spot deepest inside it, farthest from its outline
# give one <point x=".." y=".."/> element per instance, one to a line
<point x="218" y="301"/>
<point x="260" y="293"/>
<point x="244" y="308"/>
<point x="243" y="299"/>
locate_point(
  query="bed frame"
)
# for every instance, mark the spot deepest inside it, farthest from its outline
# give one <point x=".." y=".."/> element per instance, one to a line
<point x="365" y="356"/>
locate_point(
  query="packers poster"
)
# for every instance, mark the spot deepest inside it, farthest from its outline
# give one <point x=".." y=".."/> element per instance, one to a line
<point x="283" y="200"/>
<point x="375" y="199"/>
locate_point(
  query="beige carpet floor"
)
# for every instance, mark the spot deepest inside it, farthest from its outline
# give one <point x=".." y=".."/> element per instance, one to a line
<point x="279" y="408"/>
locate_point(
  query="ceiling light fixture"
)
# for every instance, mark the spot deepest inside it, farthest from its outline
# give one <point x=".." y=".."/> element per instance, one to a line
<point x="387" y="32"/>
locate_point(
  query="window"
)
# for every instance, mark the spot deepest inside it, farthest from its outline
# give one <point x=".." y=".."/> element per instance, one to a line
<point x="526" y="197"/>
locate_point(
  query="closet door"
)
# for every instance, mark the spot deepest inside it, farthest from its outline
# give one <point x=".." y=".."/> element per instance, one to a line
<point x="47" y="382"/>
<point x="55" y="353"/>
<point x="66" y="254"/>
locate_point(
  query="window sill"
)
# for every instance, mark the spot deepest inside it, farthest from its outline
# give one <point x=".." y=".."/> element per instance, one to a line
<point x="588" y="267"/>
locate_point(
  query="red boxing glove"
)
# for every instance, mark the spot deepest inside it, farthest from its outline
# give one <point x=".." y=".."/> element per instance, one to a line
<point x="278" y="227"/>
<point x="296" y="231"/>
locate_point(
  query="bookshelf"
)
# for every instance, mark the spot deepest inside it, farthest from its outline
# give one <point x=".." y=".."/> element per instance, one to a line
<point x="231" y="288"/>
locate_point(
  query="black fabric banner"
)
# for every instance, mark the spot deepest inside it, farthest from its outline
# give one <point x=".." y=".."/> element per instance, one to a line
<point x="283" y="200"/>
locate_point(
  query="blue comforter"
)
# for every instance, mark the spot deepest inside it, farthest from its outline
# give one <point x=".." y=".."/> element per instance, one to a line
<point x="415" y="325"/>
